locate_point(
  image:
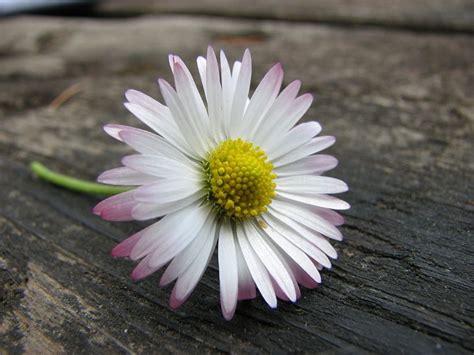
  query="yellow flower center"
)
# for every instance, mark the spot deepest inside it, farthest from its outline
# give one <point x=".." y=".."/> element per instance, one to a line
<point x="240" y="179"/>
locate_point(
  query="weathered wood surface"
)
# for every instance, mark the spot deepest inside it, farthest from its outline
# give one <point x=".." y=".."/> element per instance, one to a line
<point x="422" y="15"/>
<point x="401" y="106"/>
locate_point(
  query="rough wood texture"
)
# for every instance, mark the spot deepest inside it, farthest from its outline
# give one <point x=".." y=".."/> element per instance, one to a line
<point x="401" y="106"/>
<point x="422" y="15"/>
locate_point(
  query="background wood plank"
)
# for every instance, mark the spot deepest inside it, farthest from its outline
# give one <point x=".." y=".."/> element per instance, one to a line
<point x="422" y="15"/>
<point x="401" y="106"/>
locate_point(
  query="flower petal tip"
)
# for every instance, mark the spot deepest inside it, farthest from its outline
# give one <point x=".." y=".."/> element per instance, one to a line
<point x="129" y="93"/>
<point x="165" y="280"/>
<point x="97" y="211"/>
<point x="228" y="315"/>
<point x="210" y="50"/>
<point x="279" y="67"/>
<point x="114" y="253"/>
<point x="102" y="178"/>
<point x="135" y="276"/>
<point x="175" y="303"/>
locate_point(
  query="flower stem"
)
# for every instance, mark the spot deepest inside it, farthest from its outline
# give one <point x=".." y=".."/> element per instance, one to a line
<point x="71" y="183"/>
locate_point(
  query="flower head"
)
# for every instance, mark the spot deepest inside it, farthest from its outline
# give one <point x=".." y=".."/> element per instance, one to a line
<point x="229" y="171"/>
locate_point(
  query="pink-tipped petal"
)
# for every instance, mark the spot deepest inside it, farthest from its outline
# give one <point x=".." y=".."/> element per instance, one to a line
<point x="189" y="279"/>
<point x="269" y="257"/>
<point x="282" y="236"/>
<point x="295" y="235"/>
<point x="174" y="301"/>
<point x="297" y="137"/>
<point x="329" y="215"/>
<point x="157" y="117"/>
<point x="124" y="176"/>
<point x="187" y="124"/>
<point x="257" y="269"/>
<point x="143" y="269"/>
<point x="315" y="145"/>
<point x="114" y="130"/>
<point x="124" y="248"/>
<point x="247" y="289"/>
<point x="303" y="278"/>
<point x="313" y="164"/>
<point x="116" y="208"/>
<point x="279" y="292"/>
<point x="261" y="131"/>
<point x="263" y="98"/>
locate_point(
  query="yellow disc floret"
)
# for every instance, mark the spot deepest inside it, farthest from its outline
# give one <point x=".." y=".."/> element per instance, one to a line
<point x="240" y="179"/>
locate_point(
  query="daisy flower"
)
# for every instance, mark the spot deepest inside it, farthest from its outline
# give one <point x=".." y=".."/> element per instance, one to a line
<point x="228" y="172"/>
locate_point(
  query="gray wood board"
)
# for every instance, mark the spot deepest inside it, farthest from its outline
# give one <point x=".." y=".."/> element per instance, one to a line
<point x="401" y="107"/>
<point x="422" y="15"/>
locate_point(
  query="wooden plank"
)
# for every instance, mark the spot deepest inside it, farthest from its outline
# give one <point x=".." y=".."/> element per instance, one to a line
<point x="400" y="105"/>
<point x="422" y="15"/>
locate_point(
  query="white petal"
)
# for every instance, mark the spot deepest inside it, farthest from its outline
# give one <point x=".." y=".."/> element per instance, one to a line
<point x="167" y="190"/>
<point x="192" y="90"/>
<point x="168" y="245"/>
<point x="143" y="211"/>
<point x="227" y="92"/>
<point x="214" y="96"/>
<point x="295" y="138"/>
<point x="257" y="269"/>
<point x="228" y="276"/>
<point x="113" y="130"/>
<point x="324" y="201"/>
<point x="289" y="226"/>
<point x="117" y="207"/>
<point x="169" y="225"/>
<point x="291" y="250"/>
<point x="189" y="279"/>
<point x="192" y="104"/>
<point x="313" y="164"/>
<point x="306" y="218"/>
<point x="160" y="112"/>
<point x="125" y="176"/>
<point x="236" y="71"/>
<point x="313" y="146"/>
<point x="282" y="104"/>
<point x="148" y="143"/>
<point x="185" y="258"/>
<point x="287" y="119"/>
<point x="161" y="166"/>
<point x="300" y="275"/>
<point x="201" y="64"/>
<point x="328" y="214"/>
<point x="306" y="244"/>
<point x="247" y="288"/>
<point x="286" y="264"/>
<point x="158" y="117"/>
<point x="188" y="126"/>
<point x="262" y="99"/>
<point x="299" y="108"/>
<point x="271" y="261"/>
<point x="143" y="269"/>
<point x="311" y="184"/>
<point x="168" y="131"/>
<point x="241" y="94"/>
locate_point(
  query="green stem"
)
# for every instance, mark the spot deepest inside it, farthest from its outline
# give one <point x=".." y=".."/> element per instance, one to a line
<point x="91" y="188"/>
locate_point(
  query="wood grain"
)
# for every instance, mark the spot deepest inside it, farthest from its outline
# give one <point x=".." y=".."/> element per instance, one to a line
<point x="401" y="107"/>
<point x="418" y="15"/>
